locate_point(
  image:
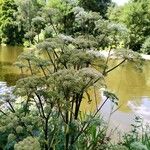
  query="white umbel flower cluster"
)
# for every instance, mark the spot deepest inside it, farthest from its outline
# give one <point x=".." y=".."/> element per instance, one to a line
<point x="28" y="143"/>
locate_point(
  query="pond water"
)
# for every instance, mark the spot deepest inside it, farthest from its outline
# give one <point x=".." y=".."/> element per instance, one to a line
<point x="133" y="90"/>
<point x="8" y="55"/>
<point x="131" y="86"/>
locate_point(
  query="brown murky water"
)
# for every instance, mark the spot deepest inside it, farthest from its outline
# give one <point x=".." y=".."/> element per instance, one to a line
<point x="131" y="86"/>
<point x="8" y="55"/>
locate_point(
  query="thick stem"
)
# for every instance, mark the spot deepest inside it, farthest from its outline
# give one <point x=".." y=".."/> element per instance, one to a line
<point x="46" y="133"/>
<point x="38" y="107"/>
<point x="67" y="134"/>
<point x="86" y="126"/>
<point x="55" y="68"/>
<point x="3" y="113"/>
<point x="107" y="60"/>
<point x="76" y="107"/>
<point x="115" y="67"/>
<point x="41" y="105"/>
<point x="38" y="38"/>
<point x="11" y="107"/>
<point x="67" y="124"/>
<point x="67" y="141"/>
<point x="72" y="108"/>
<point x="30" y="67"/>
<point x="43" y="71"/>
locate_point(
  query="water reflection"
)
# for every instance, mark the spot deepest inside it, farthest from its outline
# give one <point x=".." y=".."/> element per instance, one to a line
<point x="132" y="87"/>
<point x="142" y="108"/>
<point x="8" y="55"/>
<point x="133" y="90"/>
<point x="129" y="84"/>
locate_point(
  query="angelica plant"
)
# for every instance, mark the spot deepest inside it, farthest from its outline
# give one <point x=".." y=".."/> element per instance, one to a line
<point x="59" y="73"/>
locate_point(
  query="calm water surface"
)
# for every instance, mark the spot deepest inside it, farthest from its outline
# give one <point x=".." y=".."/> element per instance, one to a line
<point x="133" y="90"/>
<point x="131" y="87"/>
<point x="8" y="55"/>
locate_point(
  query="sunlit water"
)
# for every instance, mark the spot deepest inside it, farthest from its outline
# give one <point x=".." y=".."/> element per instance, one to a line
<point x="8" y="55"/>
<point x="131" y="86"/>
<point x="133" y="90"/>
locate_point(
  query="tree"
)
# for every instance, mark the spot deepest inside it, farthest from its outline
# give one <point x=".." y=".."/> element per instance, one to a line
<point x="38" y="23"/>
<point x="27" y="10"/>
<point x="135" y="15"/>
<point x="29" y="15"/>
<point x="11" y="32"/>
<point x="100" y="6"/>
<point x="61" y="11"/>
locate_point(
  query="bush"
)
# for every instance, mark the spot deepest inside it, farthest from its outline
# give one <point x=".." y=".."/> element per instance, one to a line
<point x="146" y="46"/>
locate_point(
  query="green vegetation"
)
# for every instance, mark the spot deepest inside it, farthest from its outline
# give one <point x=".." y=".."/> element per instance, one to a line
<point x="11" y="31"/>
<point x="136" y="16"/>
<point x="43" y="110"/>
<point x="100" y="6"/>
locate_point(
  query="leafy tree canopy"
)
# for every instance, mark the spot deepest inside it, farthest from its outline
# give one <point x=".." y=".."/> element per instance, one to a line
<point x="9" y="27"/>
<point x="100" y="6"/>
<point x="136" y="15"/>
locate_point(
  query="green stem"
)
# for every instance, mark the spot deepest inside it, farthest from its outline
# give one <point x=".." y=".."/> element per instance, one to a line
<point x="115" y="67"/>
